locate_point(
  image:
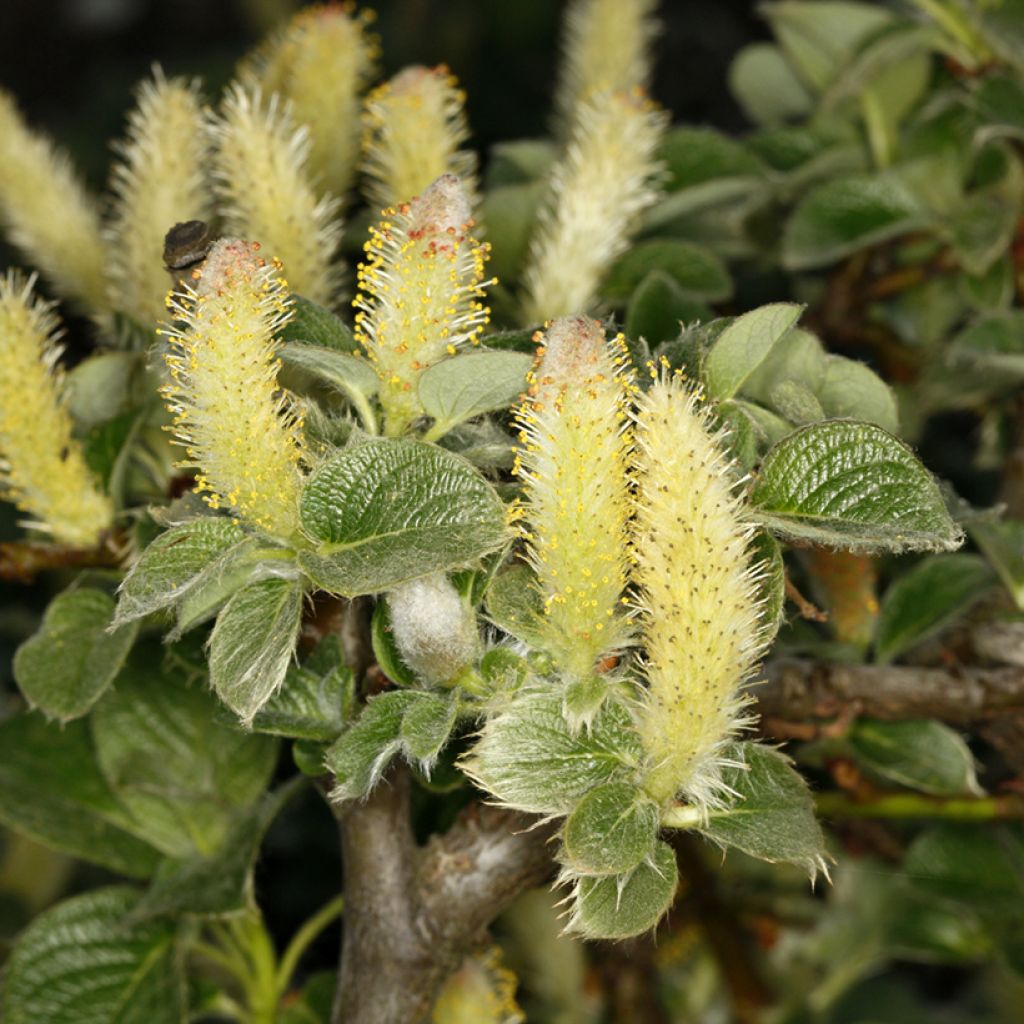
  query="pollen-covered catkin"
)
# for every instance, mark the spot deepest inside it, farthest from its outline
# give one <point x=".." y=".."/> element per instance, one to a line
<point x="228" y="411"/>
<point x="42" y="467"/>
<point x="419" y="293"/>
<point x="595" y="192"/>
<point x="321" y="63"/>
<point x="414" y="125"/>
<point x="48" y="214"/>
<point x="698" y="595"/>
<point x="159" y="180"/>
<point x="573" y="462"/>
<point x="260" y="166"/>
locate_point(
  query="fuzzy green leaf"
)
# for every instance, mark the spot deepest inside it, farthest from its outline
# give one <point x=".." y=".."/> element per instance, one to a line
<point x="936" y="592"/>
<point x="1003" y="545"/>
<point x="527" y="756"/>
<point x="620" y="906"/>
<point x="513" y="603"/>
<point x="657" y="310"/>
<point x="82" y="963"/>
<point x="765" y="86"/>
<point x="312" y="323"/>
<point x="252" y="644"/>
<point x="611" y="831"/>
<point x="993" y="343"/>
<point x="851" y="485"/>
<point x="849" y="388"/>
<point x="391" y="511"/>
<point x="510" y="213"/>
<point x="341" y="369"/>
<point x="697" y="271"/>
<point x="65" y="666"/>
<point x="426" y="726"/>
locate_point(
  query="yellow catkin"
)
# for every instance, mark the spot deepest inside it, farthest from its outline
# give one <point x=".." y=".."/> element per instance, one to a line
<point x="260" y="163"/>
<point x="419" y="293"/>
<point x="414" y="126"/>
<point x="48" y="214"/>
<point x="228" y="411"/>
<point x="606" y="46"/>
<point x="481" y="991"/>
<point x="42" y="468"/>
<point x="321" y="63"/>
<point x="595" y="192"/>
<point x="160" y="180"/>
<point x="573" y="460"/>
<point x="698" y="595"/>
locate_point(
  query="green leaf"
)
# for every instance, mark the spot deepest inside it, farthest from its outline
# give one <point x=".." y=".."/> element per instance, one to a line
<point x="765" y="86"/>
<point x="316" y="325"/>
<point x="391" y="511"/>
<point x="221" y="882"/>
<point x="170" y="565"/>
<point x="519" y="160"/>
<point x="252" y="644"/>
<point x="927" y="756"/>
<point x="344" y="371"/>
<point x="848" y="388"/>
<point x="625" y="905"/>
<point x="457" y="389"/>
<point x="1003" y="545"/>
<point x="513" y="603"/>
<point x="848" y="214"/>
<point x="851" y="485"/>
<point x="82" y="963"/>
<point x="922" y="603"/>
<point x="982" y="229"/>
<point x="65" y="666"/>
<point x="767" y="555"/>
<point x="179" y="772"/>
<point x="999" y="102"/>
<point x="426" y="726"/>
<point x="791" y="400"/>
<point x="527" y="757"/>
<point x="798" y="356"/>
<point x="510" y="213"/>
<point x="772" y="818"/>
<point x="697" y="271"/>
<point x="385" y="650"/>
<point x="51" y="790"/>
<point x="994" y="343"/>
<point x="611" y="831"/>
<point x="1002" y="27"/>
<point x="102" y="386"/>
<point x="744" y="345"/>
<point x="657" y="311"/>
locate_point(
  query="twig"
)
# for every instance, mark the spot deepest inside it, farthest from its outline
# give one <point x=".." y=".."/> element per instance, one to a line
<point x="908" y="806"/>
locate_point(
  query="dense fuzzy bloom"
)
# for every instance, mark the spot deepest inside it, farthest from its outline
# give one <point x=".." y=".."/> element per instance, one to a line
<point x="228" y="410"/>
<point x="573" y="461"/>
<point x="321" y="63"/>
<point x="699" y="600"/>
<point x="262" y="177"/>
<point x="607" y="46"/>
<point x="419" y="293"/>
<point x="159" y="181"/>
<point x="414" y="126"/>
<point x="42" y="469"/>
<point x="595" y="193"/>
<point x="47" y="212"/>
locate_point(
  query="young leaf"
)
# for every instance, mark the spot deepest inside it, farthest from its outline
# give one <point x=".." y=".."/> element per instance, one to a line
<point x="64" y="668"/>
<point x="849" y="388"/>
<point x="390" y="511"/>
<point x="510" y="213"/>
<point x="619" y="906"/>
<point x="81" y="962"/>
<point x="513" y="603"/>
<point x="341" y="369"/>
<point x="611" y="831"/>
<point x="927" y="756"/>
<point x="169" y="566"/>
<point x="52" y="791"/>
<point x="765" y="86"/>
<point x="316" y="325"/>
<point x="851" y="485"/>
<point x="994" y="343"/>
<point x="657" y="310"/>
<point x="698" y="272"/>
<point x="772" y="817"/>
<point x="426" y="725"/>
<point x="252" y="644"/>
<point x="1003" y="545"/>
<point x="527" y="757"/>
<point x="936" y="592"/>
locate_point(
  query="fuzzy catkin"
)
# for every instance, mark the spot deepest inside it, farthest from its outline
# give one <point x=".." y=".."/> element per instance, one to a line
<point x="260" y="165"/>
<point x="595" y="192"/>
<point x="48" y="214"/>
<point x="160" y="180"/>
<point x="228" y="411"/>
<point x="42" y="467"/>
<point x="414" y="125"/>
<point x="573" y="461"/>
<point x="698" y="595"/>
<point x="419" y="293"/>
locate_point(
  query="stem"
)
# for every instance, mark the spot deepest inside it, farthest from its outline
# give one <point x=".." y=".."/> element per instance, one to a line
<point x="302" y="940"/>
<point x="438" y="430"/>
<point x="362" y="406"/>
<point x="916" y="806"/>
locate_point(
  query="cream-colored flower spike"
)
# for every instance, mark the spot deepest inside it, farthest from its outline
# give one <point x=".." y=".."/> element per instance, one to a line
<point x="414" y="126"/>
<point x="573" y="461"/>
<point x="604" y="180"/>
<point x="268" y="195"/>
<point x="607" y="47"/>
<point x="419" y="293"/>
<point x="321" y="63"/>
<point x="42" y="468"/>
<point x="699" y="603"/>
<point x="229" y="414"/>
<point x="48" y="214"/>
<point x="160" y="180"/>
